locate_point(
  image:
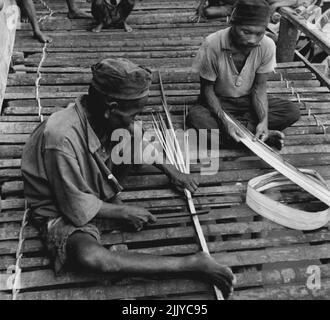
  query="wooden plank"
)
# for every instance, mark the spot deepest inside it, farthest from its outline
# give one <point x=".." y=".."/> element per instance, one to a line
<point x="98" y="293"/>
<point x="10" y="230"/>
<point x="21" y="109"/>
<point x="293" y="253"/>
<point x="287" y="237"/>
<point x="16" y="187"/>
<point x="292" y="292"/>
<point x="246" y="279"/>
<point x="184" y="78"/>
<point x="44" y="278"/>
<point x="8" y="23"/>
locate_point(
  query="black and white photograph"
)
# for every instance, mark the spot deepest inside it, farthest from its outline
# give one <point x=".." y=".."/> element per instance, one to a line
<point x="164" y="154"/>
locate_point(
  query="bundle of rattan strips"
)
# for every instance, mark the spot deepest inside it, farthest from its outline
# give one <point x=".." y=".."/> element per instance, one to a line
<point x="279" y="212"/>
<point x="305" y="179"/>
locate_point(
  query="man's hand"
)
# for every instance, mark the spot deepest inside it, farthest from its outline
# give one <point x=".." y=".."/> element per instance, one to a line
<point x="233" y="132"/>
<point x="138" y="217"/>
<point x="184" y="181"/>
<point x="41" y="37"/>
<point x="180" y="180"/>
<point x="262" y="132"/>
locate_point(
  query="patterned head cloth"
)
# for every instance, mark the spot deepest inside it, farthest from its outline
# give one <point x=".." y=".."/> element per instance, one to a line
<point x="121" y="79"/>
<point x="251" y="12"/>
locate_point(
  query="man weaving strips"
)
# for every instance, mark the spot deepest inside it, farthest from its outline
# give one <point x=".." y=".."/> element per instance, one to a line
<point x="233" y="65"/>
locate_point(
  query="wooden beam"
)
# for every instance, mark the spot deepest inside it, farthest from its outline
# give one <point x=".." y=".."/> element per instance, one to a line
<point x="290" y="23"/>
<point x="8" y="23"/>
<point x="319" y="75"/>
<point x="287" y="41"/>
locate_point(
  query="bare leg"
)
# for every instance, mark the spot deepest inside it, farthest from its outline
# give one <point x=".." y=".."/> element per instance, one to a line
<point x="30" y="10"/>
<point x="74" y="12"/>
<point x="98" y="28"/>
<point x="85" y="252"/>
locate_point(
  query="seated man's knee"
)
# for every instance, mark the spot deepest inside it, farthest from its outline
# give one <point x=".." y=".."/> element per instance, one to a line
<point x="83" y="253"/>
<point x="200" y="118"/>
<point x="89" y="257"/>
<point x="294" y="113"/>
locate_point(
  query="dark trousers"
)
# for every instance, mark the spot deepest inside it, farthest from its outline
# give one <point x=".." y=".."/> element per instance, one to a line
<point x="281" y="114"/>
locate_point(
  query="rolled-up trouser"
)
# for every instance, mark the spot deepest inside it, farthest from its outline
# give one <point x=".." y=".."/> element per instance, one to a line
<point x="281" y="114"/>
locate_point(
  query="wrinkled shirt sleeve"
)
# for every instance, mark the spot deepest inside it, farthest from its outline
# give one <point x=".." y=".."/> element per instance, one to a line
<point x="268" y="62"/>
<point x="205" y="62"/>
<point x="72" y="195"/>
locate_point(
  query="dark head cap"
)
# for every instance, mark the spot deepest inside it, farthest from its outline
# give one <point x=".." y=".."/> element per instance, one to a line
<point x="121" y="79"/>
<point x="251" y="12"/>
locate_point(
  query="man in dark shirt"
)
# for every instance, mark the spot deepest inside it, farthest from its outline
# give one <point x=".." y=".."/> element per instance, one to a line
<point x="68" y="182"/>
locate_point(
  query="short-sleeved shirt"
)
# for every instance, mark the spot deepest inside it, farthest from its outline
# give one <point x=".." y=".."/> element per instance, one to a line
<point x="65" y="169"/>
<point x="215" y="63"/>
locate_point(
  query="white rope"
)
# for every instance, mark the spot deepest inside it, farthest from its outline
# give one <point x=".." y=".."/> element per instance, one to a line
<point x="294" y="92"/>
<point x="319" y="123"/>
<point x="309" y="108"/>
<point x="16" y="282"/>
<point x="19" y="254"/>
<point x="43" y="57"/>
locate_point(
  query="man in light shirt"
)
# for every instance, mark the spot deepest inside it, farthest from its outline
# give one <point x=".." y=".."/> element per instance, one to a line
<point x="233" y="65"/>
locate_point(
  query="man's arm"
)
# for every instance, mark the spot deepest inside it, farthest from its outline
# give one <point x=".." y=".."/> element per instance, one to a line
<point x="179" y="179"/>
<point x="77" y="201"/>
<point x="260" y="105"/>
<point x="213" y="104"/>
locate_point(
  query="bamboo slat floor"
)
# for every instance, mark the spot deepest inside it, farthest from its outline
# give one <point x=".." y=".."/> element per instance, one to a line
<point x="270" y="261"/>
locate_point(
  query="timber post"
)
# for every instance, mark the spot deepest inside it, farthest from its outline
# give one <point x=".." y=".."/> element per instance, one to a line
<point x="9" y="14"/>
<point x="287" y="41"/>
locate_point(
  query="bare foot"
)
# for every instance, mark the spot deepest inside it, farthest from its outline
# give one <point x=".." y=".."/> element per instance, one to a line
<point x="78" y="14"/>
<point x="127" y="27"/>
<point x="98" y="28"/>
<point x="221" y="276"/>
<point x="41" y="37"/>
<point x="275" y="139"/>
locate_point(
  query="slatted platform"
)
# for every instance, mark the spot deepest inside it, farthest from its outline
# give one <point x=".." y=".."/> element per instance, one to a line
<point x="270" y="261"/>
